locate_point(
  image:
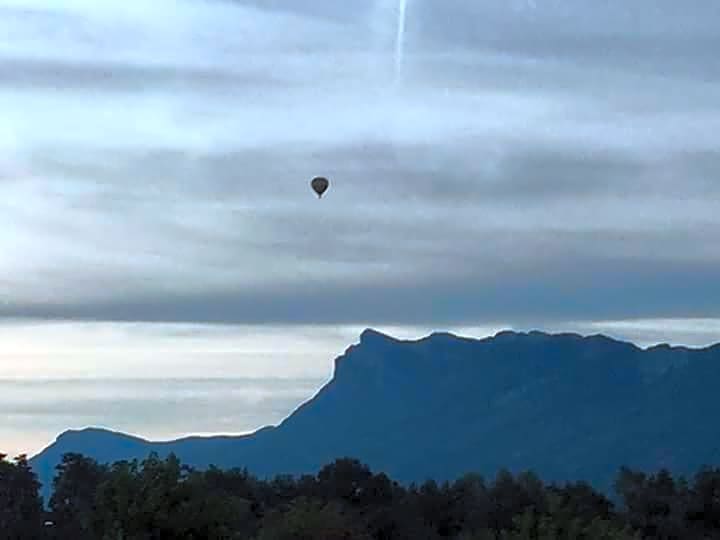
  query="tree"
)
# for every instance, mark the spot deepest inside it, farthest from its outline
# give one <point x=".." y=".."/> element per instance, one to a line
<point x="511" y="497"/>
<point x="436" y="506"/>
<point x="202" y="511"/>
<point x="344" y="479"/>
<point x="118" y="503"/>
<point x="654" y="504"/>
<point x="311" y="520"/>
<point x="21" y="509"/>
<point x="579" y="501"/>
<point x="72" y="504"/>
<point x="471" y="504"/>
<point x="159" y="499"/>
<point x="703" y="512"/>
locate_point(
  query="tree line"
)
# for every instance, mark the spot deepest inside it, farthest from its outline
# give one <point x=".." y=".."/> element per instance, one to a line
<point x="164" y="499"/>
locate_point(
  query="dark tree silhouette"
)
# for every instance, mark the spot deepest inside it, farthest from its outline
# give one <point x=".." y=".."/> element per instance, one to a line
<point x="162" y="499"/>
<point x="21" y="510"/>
<point x="72" y="504"/>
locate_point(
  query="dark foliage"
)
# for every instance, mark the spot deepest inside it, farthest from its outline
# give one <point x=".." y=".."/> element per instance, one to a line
<point x="162" y="499"/>
<point x="21" y="511"/>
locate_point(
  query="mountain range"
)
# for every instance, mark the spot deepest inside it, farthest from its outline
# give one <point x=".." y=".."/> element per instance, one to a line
<point x="568" y="407"/>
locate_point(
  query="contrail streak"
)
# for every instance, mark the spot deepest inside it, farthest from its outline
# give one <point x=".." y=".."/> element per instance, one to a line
<point x="400" y="40"/>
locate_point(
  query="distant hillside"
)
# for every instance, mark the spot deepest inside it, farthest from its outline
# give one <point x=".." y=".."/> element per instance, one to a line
<point x="567" y="406"/>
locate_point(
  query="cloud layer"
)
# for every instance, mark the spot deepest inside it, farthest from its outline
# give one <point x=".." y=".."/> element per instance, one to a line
<point x="541" y="161"/>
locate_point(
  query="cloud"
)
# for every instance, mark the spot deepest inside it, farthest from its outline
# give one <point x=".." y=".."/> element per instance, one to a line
<point x="37" y="411"/>
<point x="31" y="74"/>
<point x="555" y="162"/>
<point x="571" y="288"/>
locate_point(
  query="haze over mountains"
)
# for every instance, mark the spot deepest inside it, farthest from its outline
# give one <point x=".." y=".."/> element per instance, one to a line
<point x="567" y="406"/>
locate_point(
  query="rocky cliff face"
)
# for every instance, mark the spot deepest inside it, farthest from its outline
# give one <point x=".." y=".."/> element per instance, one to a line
<point x="567" y="406"/>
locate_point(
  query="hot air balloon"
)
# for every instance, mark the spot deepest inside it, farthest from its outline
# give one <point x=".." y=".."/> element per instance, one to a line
<point x="320" y="185"/>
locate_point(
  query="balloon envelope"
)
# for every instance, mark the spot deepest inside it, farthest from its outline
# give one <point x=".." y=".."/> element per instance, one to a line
<point x="320" y="185"/>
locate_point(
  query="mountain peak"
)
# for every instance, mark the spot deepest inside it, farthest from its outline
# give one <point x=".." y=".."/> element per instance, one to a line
<point x="370" y="336"/>
<point x="507" y="334"/>
<point x="94" y="432"/>
<point x="370" y="340"/>
<point x="394" y="404"/>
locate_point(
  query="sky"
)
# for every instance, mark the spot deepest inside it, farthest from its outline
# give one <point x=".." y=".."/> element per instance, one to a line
<point x="547" y="164"/>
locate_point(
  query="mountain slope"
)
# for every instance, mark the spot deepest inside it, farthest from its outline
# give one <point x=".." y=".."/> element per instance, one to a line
<point x="566" y="406"/>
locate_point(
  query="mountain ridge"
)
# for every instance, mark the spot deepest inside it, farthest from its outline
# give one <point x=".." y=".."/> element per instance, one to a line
<point x="441" y="405"/>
